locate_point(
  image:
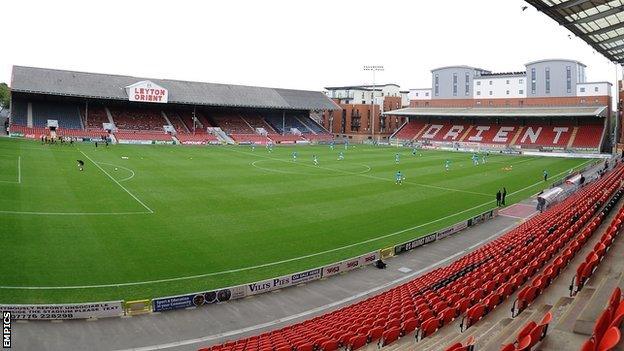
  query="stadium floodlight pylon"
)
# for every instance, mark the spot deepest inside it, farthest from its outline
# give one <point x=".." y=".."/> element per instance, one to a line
<point x="373" y="68"/>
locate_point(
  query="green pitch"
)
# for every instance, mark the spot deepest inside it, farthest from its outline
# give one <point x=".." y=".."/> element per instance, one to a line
<point x="150" y="221"/>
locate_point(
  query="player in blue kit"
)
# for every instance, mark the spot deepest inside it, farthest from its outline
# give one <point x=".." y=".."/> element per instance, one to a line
<point x="399" y="178"/>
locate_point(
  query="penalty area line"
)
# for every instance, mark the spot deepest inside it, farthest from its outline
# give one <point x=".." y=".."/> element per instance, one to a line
<point x="118" y="183"/>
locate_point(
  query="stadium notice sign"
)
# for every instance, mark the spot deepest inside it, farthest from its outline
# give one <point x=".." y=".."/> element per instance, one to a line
<point x="146" y="91"/>
<point x="67" y="311"/>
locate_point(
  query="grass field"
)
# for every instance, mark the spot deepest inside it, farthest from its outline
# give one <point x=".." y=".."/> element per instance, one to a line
<point x="169" y="220"/>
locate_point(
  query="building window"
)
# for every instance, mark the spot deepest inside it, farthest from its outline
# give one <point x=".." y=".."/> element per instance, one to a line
<point x="478" y="92"/>
<point x="363" y="95"/>
<point x="596" y="89"/>
<point x="490" y="92"/>
<point x="520" y="91"/>
<point x="547" y="80"/>
<point x="569" y="78"/>
<point x="533" y="80"/>
<point x="507" y="92"/>
<point x="490" y="82"/>
<point x="467" y="92"/>
<point x="437" y="85"/>
<point x="582" y="90"/>
<point x="416" y="94"/>
<point x="478" y="82"/>
<point x="507" y="81"/>
<point x="426" y="94"/>
<point x="454" y="84"/>
<point x="520" y="81"/>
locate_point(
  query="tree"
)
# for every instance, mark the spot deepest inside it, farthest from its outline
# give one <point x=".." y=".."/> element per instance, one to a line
<point x="5" y="95"/>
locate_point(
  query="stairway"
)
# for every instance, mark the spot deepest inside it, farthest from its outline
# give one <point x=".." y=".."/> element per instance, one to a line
<point x="110" y="116"/>
<point x="572" y="137"/>
<point x="422" y="130"/>
<point x="466" y="133"/>
<point x="220" y="134"/>
<point x="517" y="136"/>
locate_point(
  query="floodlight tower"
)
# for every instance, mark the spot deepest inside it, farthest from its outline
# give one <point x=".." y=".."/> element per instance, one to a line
<point x="374" y="68"/>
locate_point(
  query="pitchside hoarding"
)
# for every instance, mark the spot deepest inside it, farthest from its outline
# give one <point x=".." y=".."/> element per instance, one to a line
<point x="65" y="311"/>
<point x="350" y="264"/>
<point x="482" y="217"/>
<point x="443" y="233"/>
<point x="410" y="245"/>
<point x="197" y="299"/>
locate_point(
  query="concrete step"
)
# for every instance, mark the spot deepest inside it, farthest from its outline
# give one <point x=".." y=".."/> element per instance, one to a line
<point x="443" y="342"/>
<point x="491" y="333"/>
<point x="536" y="316"/>
<point x="566" y="323"/>
<point x="557" y="340"/>
<point x="477" y="331"/>
<point x="509" y="333"/>
<point x="440" y="335"/>
<point x="589" y="314"/>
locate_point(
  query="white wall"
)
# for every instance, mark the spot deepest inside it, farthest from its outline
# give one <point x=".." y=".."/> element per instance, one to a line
<point x="420" y="94"/>
<point x="593" y="89"/>
<point x="499" y="86"/>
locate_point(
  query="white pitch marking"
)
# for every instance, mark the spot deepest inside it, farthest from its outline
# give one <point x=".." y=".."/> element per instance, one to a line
<point x="74" y="213"/>
<point x="270" y="263"/>
<point x="115" y="180"/>
<point x="122" y="167"/>
<point x="19" y="172"/>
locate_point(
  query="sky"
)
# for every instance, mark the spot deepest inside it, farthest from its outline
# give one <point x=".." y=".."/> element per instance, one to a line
<point x="287" y="44"/>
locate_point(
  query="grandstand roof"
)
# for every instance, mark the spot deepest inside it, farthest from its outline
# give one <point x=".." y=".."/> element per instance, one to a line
<point x="598" y="22"/>
<point x="112" y="87"/>
<point x="559" y="111"/>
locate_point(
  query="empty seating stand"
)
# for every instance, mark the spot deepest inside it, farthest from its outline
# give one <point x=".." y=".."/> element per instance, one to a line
<point x="67" y="115"/>
<point x="409" y="130"/>
<point x="96" y="117"/>
<point x="137" y="119"/>
<point x="469" y="288"/>
<point x="532" y="136"/>
<point x="19" y="112"/>
<point x="142" y="135"/>
<point x="585" y="270"/>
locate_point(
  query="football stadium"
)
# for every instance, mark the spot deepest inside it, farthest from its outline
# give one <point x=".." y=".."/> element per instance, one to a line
<point x="480" y="212"/>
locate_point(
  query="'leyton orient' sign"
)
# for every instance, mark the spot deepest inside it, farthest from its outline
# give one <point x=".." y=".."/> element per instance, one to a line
<point x="146" y="91"/>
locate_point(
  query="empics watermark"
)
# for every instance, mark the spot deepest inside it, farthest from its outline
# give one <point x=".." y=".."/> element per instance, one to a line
<point x="6" y="330"/>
